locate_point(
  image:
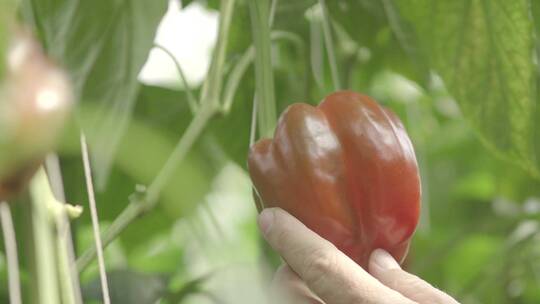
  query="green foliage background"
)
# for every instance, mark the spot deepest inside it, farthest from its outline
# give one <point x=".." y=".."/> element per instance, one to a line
<point x="462" y="75"/>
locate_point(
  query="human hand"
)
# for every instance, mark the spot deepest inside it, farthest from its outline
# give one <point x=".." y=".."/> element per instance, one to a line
<point x="317" y="272"/>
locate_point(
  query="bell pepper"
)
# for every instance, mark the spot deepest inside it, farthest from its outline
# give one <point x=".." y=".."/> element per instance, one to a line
<point x="35" y="102"/>
<point x="345" y="168"/>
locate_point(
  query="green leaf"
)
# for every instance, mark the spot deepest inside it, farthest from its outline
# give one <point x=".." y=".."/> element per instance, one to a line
<point x="473" y="254"/>
<point x="150" y="138"/>
<point x="161" y="117"/>
<point x="382" y="41"/>
<point x="157" y="255"/>
<point x="187" y="186"/>
<point x="103" y="55"/>
<point x="404" y="36"/>
<point x="484" y="52"/>
<point x="362" y="19"/>
<point x="478" y="185"/>
<point x="232" y="131"/>
<point x="188" y="287"/>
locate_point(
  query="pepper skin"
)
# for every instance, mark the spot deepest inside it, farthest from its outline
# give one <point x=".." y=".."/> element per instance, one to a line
<point x="35" y="102"/>
<point x="347" y="170"/>
<point x="14" y="183"/>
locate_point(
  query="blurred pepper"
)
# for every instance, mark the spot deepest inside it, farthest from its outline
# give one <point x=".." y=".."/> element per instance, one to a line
<point x="35" y="101"/>
<point x="347" y="170"/>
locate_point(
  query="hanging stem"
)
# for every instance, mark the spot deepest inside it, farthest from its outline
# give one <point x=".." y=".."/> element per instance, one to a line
<point x="263" y="73"/>
<point x="330" y="45"/>
<point x="11" y="254"/>
<point x="272" y="14"/>
<point x="264" y="81"/>
<point x="235" y="77"/>
<point x="253" y="128"/>
<point x="242" y="65"/>
<point x="192" y="102"/>
<point x="212" y="86"/>
<point x="95" y="220"/>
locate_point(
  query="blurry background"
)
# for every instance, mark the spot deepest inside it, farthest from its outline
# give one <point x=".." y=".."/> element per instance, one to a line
<point x="463" y="86"/>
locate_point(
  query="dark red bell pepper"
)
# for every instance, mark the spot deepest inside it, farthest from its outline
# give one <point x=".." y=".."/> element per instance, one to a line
<point x="345" y="168"/>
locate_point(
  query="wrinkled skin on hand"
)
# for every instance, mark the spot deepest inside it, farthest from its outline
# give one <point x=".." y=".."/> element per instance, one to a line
<point x="347" y="170"/>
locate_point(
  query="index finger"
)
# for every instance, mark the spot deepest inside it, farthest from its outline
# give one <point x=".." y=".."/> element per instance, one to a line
<point x="327" y="271"/>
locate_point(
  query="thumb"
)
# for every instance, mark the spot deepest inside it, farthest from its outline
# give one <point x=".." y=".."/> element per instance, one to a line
<point x="385" y="268"/>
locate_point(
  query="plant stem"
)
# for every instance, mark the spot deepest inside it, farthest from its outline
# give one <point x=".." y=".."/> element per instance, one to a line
<point x="264" y="103"/>
<point x="95" y="220"/>
<point x="70" y="292"/>
<point x="69" y="276"/>
<point x="11" y="254"/>
<point x="272" y="13"/>
<point x="128" y="215"/>
<point x="253" y="128"/>
<point x="56" y="216"/>
<point x="142" y="205"/>
<point x="212" y="86"/>
<point x="234" y="79"/>
<point x="330" y="45"/>
<point x="264" y="82"/>
<point x="44" y="254"/>
<point x="242" y="65"/>
<point x="316" y="52"/>
<point x="208" y="107"/>
<point x="192" y="102"/>
<point x="186" y="142"/>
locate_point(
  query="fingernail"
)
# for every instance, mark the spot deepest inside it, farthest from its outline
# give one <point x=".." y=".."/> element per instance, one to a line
<point x="265" y="220"/>
<point x="384" y="260"/>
